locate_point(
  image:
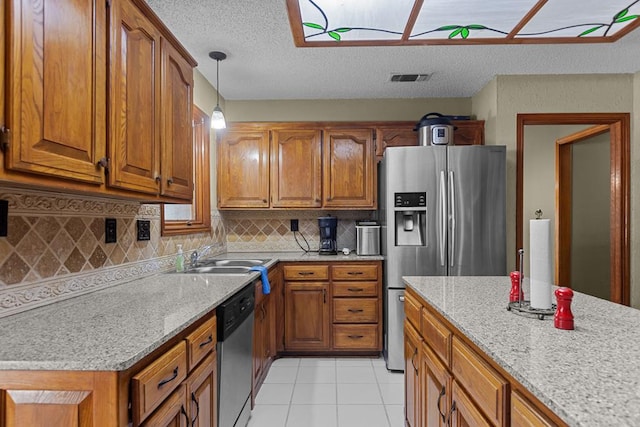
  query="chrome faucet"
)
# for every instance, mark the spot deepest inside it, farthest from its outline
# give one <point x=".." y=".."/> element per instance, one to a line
<point x="196" y="256"/>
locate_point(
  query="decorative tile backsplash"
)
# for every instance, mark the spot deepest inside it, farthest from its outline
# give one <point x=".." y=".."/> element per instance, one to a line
<point x="271" y="230"/>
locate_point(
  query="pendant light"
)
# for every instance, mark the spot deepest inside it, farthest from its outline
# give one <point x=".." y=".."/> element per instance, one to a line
<point x="217" y="117"/>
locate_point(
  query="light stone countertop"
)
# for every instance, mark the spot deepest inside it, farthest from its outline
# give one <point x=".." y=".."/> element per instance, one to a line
<point x="113" y="328"/>
<point x="589" y="376"/>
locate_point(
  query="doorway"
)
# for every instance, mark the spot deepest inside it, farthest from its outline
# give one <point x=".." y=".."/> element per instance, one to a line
<point x="618" y="126"/>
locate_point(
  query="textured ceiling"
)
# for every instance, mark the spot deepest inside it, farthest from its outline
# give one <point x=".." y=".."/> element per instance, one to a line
<point x="263" y="62"/>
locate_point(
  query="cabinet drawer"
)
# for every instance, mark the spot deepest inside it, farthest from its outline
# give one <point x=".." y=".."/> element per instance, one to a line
<point x="155" y="382"/>
<point x="201" y="341"/>
<point x="361" y="289"/>
<point x="355" y="310"/>
<point x="412" y="309"/>
<point x="306" y="272"/>
<point x="356" y="337"/>
<point x="354" y="272"/>
<point x="480" y="380"/>
<point x="437" y="335"/>
<point x="525" y="414"/>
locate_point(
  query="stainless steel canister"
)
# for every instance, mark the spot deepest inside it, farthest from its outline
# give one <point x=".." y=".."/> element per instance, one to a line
<point x="367" y="238"/>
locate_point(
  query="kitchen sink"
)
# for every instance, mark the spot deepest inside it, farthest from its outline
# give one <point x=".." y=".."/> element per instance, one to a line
<point x="232" y="262"/>
<point x="218" y="269"/>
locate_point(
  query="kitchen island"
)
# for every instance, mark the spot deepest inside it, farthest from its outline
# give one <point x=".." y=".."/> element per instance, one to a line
<point x="589" y="376"/>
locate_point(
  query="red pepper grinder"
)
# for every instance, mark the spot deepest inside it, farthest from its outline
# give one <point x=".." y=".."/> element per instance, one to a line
<point x="515" y="287"/>
<point x="563" y="319"/>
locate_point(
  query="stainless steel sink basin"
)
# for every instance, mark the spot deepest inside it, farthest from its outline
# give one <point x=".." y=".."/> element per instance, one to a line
<point x="215" y="269"/>
<point x="232" y="262"/>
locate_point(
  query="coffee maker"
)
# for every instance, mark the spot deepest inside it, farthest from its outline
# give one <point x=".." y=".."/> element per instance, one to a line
<point x="328" y="230"/>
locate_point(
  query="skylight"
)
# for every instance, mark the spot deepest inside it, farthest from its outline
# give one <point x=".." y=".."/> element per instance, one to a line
<point x="416" y="22"/>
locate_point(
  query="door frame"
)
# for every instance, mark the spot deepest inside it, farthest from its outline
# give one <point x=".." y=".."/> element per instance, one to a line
<point x="619" y="124"/>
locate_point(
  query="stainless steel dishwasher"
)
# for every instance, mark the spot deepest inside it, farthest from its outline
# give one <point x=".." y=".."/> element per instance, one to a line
<point x="235" y="345"/>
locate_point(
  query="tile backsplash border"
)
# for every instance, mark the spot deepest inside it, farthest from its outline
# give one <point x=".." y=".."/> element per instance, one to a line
<point x="46" y="216"/>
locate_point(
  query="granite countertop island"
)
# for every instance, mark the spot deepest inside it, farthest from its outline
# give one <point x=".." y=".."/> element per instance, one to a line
<point x="112" y="329"/>
<point x="589" y="376"/>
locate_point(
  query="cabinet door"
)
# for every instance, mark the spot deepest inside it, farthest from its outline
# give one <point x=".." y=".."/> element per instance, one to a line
<point x="258" y="347"/>
<point x="468" y="132"/>
<point x="243" y="169"/>
<point x="172" y="412"/>
<point x="412" y="344"/>
<point x="526" y="414"/>
<point x="177" y="129"/>
<point x="349" y="178"/>
<point x="56" y="69"/>
<point x="395" y="137"/>
<point x="201" y="394"/>
<point x="463" y="411"/>
<point x="134" y="119"/>
<point x="435" y="389"/>
<point x="296" y="157"/>
<point x="307" y="316"/>
<point x="52" y="408"/>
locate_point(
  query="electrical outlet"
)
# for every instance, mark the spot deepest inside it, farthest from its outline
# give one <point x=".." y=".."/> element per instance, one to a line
<point x="4" y="217"/>
<point x="110" y="230"/>
<point x="294" y="225"/>
<point x="143" y="227"/>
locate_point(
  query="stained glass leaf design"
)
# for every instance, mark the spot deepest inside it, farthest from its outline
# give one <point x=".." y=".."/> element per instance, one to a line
<point x="590" y="30"/>
<point x="476" y="27"/>
<point x="334" y="35"/>
<point x="313" y="25"/>
<point x="626" y="18"/>
<point x="342" y="30"/>
<point x="455" y="33"/>
<point x="620" y="14"/>
<point x="465" y="33"/>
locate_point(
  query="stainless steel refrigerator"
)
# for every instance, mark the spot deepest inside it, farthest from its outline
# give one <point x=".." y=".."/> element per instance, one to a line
<point x="442" y="211"/>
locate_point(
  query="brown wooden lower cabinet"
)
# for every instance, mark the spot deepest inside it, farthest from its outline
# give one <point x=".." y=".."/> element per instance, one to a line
<point x="172" y="412"/>
<point x="455" y="383"/>
<point x="202" y="394"/>
<point x="307" y="316"/>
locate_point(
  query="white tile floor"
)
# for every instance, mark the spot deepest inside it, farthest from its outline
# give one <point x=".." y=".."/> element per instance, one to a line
<point x="328" y="392"/>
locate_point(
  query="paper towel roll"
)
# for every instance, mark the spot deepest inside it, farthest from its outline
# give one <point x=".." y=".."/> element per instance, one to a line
<point x="540" y="274"/>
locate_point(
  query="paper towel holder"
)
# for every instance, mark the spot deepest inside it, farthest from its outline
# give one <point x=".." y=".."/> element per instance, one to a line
<point x="538" y="214"/>
<point x="524" y="307"/>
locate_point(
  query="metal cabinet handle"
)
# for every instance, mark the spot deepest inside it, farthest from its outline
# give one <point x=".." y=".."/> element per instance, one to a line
<point x="451" y="411"/>
<point x="208" y="341"/>
<point x="355" y="289"/>
<point x="356" y="337"/>
<point x="170" y="181"/>
<point x="305" y="273"/>
<point x="168" y="380"/>
<point x="103" y="163"/>
<point x="184" y="412"/>
<point x="355" y="310"/>
<point x="324" y="295"/>
<point x="158" y="179"/>
<point x="355" y="273"/>
<point x="442" y="415"/>
<point x="415" y="353"/>
<point x="194" y="400"/>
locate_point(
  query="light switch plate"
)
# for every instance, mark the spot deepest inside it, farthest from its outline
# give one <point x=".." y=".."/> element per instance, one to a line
<point x="143" y="227"/>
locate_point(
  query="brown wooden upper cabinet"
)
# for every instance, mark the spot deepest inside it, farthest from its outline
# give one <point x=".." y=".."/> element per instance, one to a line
<point x="401" y="134"/>
<point x="243" y="169"/>
<point x="349" y="174"/>
<point x="311" y="165"/>
<point x="62" y="55"/>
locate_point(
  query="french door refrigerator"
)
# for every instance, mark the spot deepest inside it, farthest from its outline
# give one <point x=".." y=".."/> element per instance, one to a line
<point x="442" y="211"/>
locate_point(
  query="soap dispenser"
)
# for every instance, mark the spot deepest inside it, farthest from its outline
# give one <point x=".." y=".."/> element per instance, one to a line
<point x="179" y="260"/>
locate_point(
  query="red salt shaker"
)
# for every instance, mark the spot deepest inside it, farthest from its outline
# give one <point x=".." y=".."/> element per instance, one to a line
<point x="563" y="319"/>
<point x="515" y="286"/>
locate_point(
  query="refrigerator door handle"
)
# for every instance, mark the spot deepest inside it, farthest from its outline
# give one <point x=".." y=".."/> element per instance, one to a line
<point x="443" y="221"/>
<point x="452" y="216"/>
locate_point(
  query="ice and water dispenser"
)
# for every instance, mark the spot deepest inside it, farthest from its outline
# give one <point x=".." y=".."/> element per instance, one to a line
<point x="411" y="222"/>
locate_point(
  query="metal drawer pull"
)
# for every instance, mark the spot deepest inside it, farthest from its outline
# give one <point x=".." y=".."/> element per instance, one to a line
<point x="442" y="414"/>
<point x="168" y="380"/>
<point x="355" y="289"/>
<point x="356" y="337"/>
<point x="356" y="310"/>
<point x="184" y="412"/>
<point x="193" y="398"/>
<point x="355" y="273"/>
<point x="305" y="273"/>
<point x="208" y="341"/>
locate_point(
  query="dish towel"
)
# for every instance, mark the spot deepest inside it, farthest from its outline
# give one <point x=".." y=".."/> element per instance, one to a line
<point x="266" y="287"/>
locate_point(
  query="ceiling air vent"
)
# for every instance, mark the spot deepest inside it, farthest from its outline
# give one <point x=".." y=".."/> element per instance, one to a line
<point x="410" y="77"/>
